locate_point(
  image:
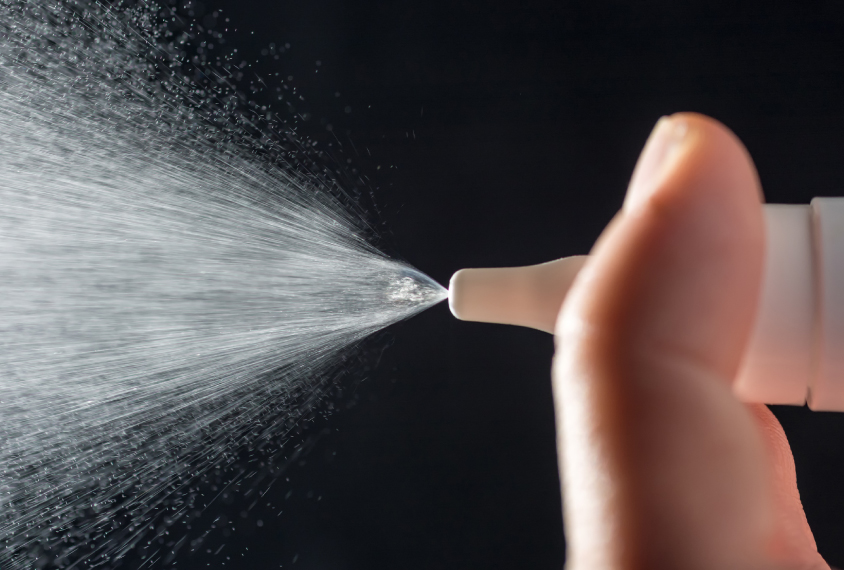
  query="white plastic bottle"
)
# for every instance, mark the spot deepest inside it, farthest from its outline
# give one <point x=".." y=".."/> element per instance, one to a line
<point x="796" y="351"/>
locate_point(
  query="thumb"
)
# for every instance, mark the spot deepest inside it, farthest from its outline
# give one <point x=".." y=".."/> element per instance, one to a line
<point x="661" y="466"/>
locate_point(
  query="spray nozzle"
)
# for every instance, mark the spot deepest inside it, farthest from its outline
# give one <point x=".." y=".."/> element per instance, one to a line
<point x="528" y="296"/>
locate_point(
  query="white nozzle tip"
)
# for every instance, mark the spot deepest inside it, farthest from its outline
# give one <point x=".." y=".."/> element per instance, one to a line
<point x="456" y="294"/>
<point x="525" y="296"/>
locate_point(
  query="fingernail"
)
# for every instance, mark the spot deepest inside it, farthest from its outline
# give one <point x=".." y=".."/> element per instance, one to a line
<point x="664" y="148"/>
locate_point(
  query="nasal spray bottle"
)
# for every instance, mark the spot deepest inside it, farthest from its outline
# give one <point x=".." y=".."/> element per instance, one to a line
<point x="796" y="351"/>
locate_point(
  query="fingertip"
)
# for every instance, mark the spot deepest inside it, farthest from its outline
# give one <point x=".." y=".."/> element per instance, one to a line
<point x="683" y="146"/>
<point x="681" y="268"/>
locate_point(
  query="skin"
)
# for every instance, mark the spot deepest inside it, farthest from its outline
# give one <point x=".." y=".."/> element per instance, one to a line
<point x="661" y="466"/>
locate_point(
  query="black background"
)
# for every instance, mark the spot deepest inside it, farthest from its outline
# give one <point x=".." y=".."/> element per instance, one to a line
<point x="504" y="133"/>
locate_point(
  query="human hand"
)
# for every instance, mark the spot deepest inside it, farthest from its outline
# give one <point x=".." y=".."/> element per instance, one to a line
<point x="662" y="467"/>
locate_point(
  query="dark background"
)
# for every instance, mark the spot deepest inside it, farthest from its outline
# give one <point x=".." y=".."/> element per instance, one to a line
<point x="504" y="133"/>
